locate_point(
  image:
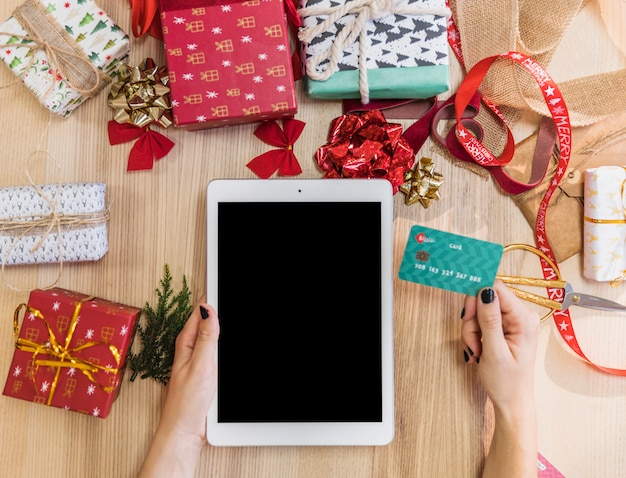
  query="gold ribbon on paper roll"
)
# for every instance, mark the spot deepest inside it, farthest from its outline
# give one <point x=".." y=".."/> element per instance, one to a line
<point x="604" y="240"/>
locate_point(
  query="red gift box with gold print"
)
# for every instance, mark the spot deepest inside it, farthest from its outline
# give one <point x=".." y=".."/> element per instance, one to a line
<point x="229" y="61"/>
<point x="71" y="350"/>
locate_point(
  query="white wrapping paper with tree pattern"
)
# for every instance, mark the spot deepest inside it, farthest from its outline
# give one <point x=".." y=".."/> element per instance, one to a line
<point x="78" y="209"/>
<point x="604" y="240"/>
<point x="77" y="34"/>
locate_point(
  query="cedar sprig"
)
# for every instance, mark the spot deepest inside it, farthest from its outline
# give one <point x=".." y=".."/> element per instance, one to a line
<point x="161" y="326"/>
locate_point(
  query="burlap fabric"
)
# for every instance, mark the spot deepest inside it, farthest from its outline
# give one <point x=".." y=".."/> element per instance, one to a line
<point x="536" y="28"/>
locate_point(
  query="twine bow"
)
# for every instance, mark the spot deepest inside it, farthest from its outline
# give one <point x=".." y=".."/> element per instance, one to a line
<point x="354" y="15"/>
<point x="51" y="222"/>
<point x="284" y="160"/>
<point x="43" y="33"/>
<point x="63" y="356"/>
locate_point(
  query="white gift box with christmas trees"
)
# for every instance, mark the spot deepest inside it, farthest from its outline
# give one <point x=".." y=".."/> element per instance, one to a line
<point x="65" y="51"/>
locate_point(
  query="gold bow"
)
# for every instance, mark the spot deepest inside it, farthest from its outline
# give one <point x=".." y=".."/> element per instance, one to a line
<point x="422" y="183"/>
<point x="141" y="96"/>
<point x="63" y="356"/>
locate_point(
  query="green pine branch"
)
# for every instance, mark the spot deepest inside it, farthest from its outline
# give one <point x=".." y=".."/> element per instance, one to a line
<point x="158" y="332"/>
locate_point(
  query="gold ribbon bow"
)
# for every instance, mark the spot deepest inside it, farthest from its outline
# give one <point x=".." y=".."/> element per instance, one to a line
<point x="422" y="183"/>
<point x="356" y="14"/>
<point x="141" y="96"/>
<point x="62" y="355"/>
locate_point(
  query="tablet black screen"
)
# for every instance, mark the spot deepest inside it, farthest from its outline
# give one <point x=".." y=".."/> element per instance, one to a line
<point x="299" y="301"/>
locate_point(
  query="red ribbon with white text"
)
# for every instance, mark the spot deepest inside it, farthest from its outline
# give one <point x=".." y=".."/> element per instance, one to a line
<point x="559" y="113"/>
<point x="541" y="158"/>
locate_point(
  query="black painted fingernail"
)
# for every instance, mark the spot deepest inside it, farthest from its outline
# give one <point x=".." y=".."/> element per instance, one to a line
<point x="465" y="356"/>
<point x="204" y="313"/>
<point x="463" y="312"/>
<point x="487" y="296"/>
<point x="471" y="352"/>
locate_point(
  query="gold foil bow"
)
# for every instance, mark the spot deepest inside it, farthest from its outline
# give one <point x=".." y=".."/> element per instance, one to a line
<point x="141" y="96"/>
<point x="422" y="183"/>
<point x="62" y="355"/>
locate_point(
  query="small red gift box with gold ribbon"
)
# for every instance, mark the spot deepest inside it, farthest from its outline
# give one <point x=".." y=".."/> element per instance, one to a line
<point x="70" y="351"/>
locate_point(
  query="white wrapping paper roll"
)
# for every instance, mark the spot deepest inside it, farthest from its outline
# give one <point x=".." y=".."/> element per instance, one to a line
<point x="604" y="240"/>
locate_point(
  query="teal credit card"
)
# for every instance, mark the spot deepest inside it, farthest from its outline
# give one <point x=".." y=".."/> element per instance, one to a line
<point x="449" y="261"/>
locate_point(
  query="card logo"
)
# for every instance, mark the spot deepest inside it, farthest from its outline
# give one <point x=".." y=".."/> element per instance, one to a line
<point x="421" y="238"/>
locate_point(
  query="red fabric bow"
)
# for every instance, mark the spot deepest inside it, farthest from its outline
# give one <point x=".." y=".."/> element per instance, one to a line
<point x="145" y="18"/>
<point x="150" y="145"/>
<point x="291" y="12"/>
<point x="365" y="145"/>
<point x="283" y="160"/>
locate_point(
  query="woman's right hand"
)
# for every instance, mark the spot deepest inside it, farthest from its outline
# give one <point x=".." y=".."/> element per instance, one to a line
<point x="500" y="333"/>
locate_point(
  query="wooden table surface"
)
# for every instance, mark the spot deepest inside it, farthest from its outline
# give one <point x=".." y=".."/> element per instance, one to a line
<point x="158" y="217"/>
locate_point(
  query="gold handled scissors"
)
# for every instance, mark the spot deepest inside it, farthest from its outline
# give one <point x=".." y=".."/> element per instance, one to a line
<point x="569" y="296"/>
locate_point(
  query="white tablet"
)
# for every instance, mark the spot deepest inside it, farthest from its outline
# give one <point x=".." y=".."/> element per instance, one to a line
<point x="300" y="272"/>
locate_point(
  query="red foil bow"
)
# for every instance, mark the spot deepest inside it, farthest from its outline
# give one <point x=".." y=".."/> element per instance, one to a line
<point x="365" y="145"/>
<point x="283" y="159"/>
